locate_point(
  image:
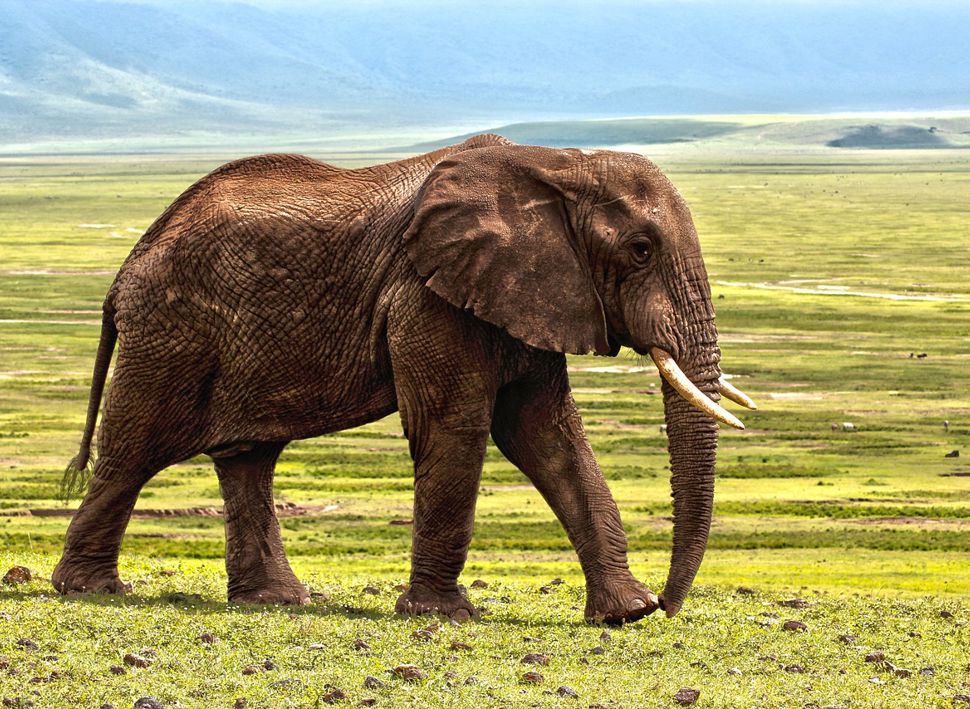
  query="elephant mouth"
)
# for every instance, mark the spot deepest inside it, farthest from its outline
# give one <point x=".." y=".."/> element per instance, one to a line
<point x="674" y="375"/>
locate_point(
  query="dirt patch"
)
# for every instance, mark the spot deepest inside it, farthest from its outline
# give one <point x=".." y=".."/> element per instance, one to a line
<point x="283" y="509"/>
<point x="794" y="396"/>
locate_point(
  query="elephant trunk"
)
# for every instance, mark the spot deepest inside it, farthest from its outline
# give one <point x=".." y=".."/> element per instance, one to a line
<point x="692" y="435"/>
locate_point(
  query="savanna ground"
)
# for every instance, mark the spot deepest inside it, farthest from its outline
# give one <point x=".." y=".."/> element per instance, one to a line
<point x="833" y="273"/>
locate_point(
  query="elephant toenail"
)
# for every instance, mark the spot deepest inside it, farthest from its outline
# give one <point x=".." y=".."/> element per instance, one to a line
<point x="637" y="604"/>
<point x="653" y="600"/>
<point x="461" y="616"/>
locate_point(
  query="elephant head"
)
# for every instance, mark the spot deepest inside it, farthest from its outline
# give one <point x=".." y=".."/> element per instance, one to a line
<point x="578" y="252"/>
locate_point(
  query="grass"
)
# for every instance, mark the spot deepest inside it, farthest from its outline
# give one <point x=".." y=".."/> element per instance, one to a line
<point x="804" y="253"/>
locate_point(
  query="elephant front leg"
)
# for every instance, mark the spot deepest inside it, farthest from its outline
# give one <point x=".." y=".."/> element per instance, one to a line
<point x="537" y="426"/>
<point x="448" y="466"/>
<point x="255" y="559"/>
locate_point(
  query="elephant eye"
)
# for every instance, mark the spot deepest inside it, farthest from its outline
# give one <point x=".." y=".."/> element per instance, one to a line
<point x="641" y="249"/>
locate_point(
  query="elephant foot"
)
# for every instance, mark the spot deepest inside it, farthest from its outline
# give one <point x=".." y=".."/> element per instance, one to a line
<point x="290" y="592"/>
<point x="422" y="600"/>
<point x="71" y="578"/>
<point x="619" y="602"/>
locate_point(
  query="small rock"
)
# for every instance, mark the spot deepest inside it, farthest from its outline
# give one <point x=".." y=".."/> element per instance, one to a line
<point x="605" y="636"/>
<point x="565" y="691"/>
<point x="745" y="591"/>
<point x="268" y="664"/>
<point x="133" y="660"/>
<point x="250" y="670"/>
<point x="401" y="587"/>
<point x="27" y="644"/>
<point x="450" y="674"/>
<point x="700" y="664"/>
<point x="556" y="582"/>
<point x="902" y="672"/>
<point x="545" y="590"/>
<point x="847" y="639"/>
<point x="952" y="454"/>
<point x="946" y="614"/>
<point x="422" y="634"/>
<point x="360" y="644"/>
<point x="914" y="634"/>
<point x="875" y="680"/>
<point x="168" y="572"/>
<point x="598" y="650"/>
<point x="795" y="603"/>
<point x="794" y="669"/>
<point x="734" y="671"/>
<point x="333" y="696"/>
<point x="794" y="626"/>
<point x="478" y="583"/>
<point x="240" y="703"/>
<point x="368" y="702"/>
<point x="927" y="671"/>
<point x="679" y="646"/>
<point x="536" y="658"/>
<point x="531" y="639"/>
<point x="371" y="591"/>
<point x="472" y="680"/>
<point x="116" y="670"/>
<point x="687" y="696"/>
<point x="533" y="678"/>
<point x="876" y="657"/>
<point x="409" y="673"/>
<point x="207" y="638"/>
<point x="148" y="703"/>
<point x="18" y="702"/>
<point x="17" y="575"/>
<point x="372" y="683"/>
<point x="459" y="645"/>
<point x="108" y="705"/>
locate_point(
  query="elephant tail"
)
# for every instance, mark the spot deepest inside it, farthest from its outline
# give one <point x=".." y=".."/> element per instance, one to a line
<point x="79" y="470"/>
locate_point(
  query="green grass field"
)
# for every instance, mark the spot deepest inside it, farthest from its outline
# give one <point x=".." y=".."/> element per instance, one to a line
<point x="830" y="269"/>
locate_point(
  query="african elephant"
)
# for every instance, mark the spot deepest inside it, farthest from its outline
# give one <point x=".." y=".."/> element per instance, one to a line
<point x="281" y="298"/>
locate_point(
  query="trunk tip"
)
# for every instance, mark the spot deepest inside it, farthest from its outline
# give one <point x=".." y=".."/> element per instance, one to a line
<point x="671" y="609"/>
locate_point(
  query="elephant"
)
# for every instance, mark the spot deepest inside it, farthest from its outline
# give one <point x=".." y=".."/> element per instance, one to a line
<point x="281" y="298"/>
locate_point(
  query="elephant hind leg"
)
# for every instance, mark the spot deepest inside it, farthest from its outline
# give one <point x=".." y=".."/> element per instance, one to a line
<point x="255" y="559"/>
<point x="89" y="563"/>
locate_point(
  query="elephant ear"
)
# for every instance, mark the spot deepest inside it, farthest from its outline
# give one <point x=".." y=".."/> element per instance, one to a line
<point x="491" y="234"/>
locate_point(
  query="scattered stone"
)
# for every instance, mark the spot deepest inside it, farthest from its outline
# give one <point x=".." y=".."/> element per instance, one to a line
<point x="372" y="683"/>
<point x="268" y="664"/>
<point x="876" y="657"/>
<point x="847" y="639"/>
<point x="321" y="596"/>
<point x="460" y="616"/>
<point x="536" y="658"/>
<point x="794" y="669"/>
<point x="409" y="673"/>
<point x="794" y="626"/>
<point x="371" y="591"/>
<point x="360" y="644"/>
<point x="795" y="603"/>
<point x="133" y="660"/>
<point x="459" y="645"/>
<point x="333" y="696"/>
<point x="17" y="702"/>
<point x="734" y="671"/>
<point x="478" y="583"/>
<point x="699" y="664"/>
<point x="423" y="634"/>
<point x="17" y="575"/>
<point x="116" y="670"/>
<point x="745" y="591"/>
<point x="240" y="703"/>
<point x="687" y="696"/>
<point x="402" y="587"/>
<point x="472" y="680"/>
<point x="533" y="678"/>
<point x="946" y="614"/>
<point x="207" y="638"/>
<point x="250" y="670"/>
<point x="27" y="644"/>
<point x="605" y="636"/>
<point x="108" y="705"/>
<point x="505" y="599"/>
<point x="598" y="650"/>
<point x="952" y="454"/>
<point x="368" y="702"/>
<point x="168" y="572"/>
<point x="450" y="674"/>
<point x="679" y="646"/>
<point x="565" y="691"/>
<point x="148" y="703"/>
<point x="556" y="582"/>
<point x="545" y="590"/>
<point x="914" y="634"/>
<point x="902" y="672"/>
<point x="927" y="671"/>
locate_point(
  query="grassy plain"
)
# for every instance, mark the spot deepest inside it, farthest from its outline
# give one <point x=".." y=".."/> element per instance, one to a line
<point x="829" y="270"/>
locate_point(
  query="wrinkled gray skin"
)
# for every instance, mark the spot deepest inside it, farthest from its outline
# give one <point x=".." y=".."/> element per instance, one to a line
<point x="281" y="298"/>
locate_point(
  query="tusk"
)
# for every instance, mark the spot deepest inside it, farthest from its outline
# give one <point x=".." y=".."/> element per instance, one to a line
<point x="687" y="389"/>
<point x="731" y="392"/>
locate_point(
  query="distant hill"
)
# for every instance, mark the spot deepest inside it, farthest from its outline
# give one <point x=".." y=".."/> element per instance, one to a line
<point x="203" y="70"/>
